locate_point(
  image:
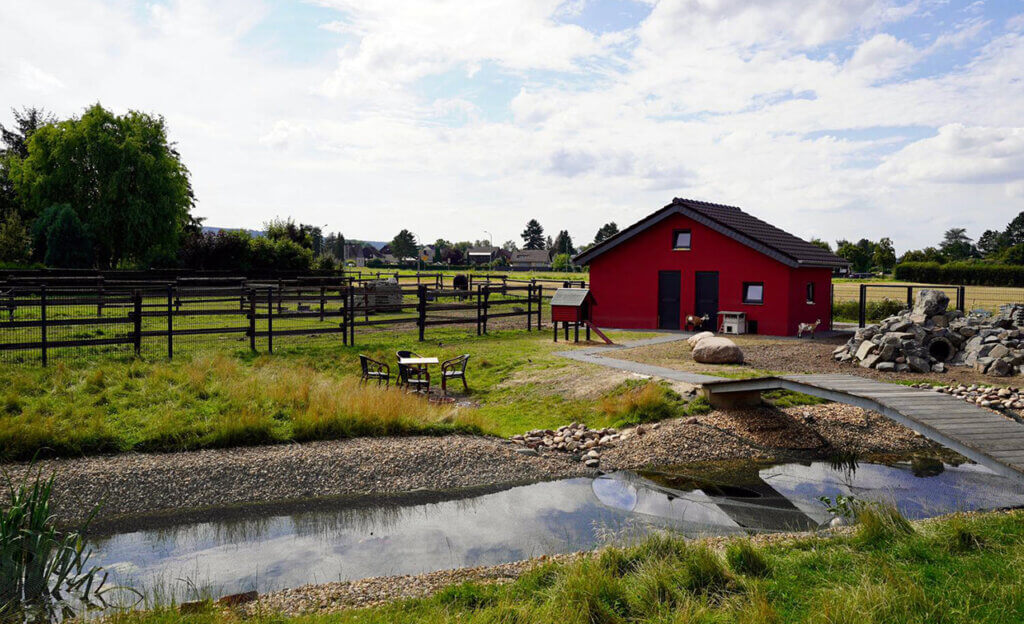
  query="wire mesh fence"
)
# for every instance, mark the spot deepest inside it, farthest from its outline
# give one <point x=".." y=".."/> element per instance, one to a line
<point x="871" y="302"/>
<point x="40" y="323"/>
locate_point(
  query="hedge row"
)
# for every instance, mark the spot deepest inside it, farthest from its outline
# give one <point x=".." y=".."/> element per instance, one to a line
<point x="972" y="273"/>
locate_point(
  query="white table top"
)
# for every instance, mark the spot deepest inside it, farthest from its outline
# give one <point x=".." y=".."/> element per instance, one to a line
<point x="419" y="360"/>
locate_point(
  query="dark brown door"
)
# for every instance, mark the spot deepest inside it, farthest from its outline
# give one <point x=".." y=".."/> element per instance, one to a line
<point x="706" y="295"/>
<point x="669" y="290"/>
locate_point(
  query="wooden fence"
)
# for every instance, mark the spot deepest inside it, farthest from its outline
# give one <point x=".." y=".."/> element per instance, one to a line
<point x="40" y="321"/>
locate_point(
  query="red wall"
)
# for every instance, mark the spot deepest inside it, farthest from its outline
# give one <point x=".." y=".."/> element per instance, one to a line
<point x="624" y="280"/>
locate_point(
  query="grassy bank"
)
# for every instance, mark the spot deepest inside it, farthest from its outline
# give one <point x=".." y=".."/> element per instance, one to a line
<point x="308" y="392"/>
<point x="964" y="568"/>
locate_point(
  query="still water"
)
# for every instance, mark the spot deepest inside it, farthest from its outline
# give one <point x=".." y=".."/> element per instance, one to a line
<point x="274" y="550"/>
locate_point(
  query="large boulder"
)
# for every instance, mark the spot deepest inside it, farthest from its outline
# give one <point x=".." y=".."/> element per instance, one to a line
<point x="694" y="339"/>
<point x="717" y="350"/>
<point x="930" y="302"/>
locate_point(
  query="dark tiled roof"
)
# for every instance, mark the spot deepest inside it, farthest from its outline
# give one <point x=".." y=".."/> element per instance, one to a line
<point x="531" y="255"/>
<point x="736" y="224"/>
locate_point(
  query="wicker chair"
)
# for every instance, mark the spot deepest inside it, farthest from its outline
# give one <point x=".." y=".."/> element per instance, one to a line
<point x="374" y="370"/>
<point x="454" y="368"/>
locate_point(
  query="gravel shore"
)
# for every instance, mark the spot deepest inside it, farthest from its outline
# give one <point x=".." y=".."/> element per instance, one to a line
<point x="167" y="483"/>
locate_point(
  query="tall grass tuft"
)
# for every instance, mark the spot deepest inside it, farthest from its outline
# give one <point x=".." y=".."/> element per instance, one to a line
<point x="744" y="558"/>
<point x="880" y="523"/>
<point x="41" y="567"/>
<point x="633" y="403"/>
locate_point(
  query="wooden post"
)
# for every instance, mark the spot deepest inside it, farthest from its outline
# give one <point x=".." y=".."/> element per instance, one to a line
<point x="270" y="318"/>
<point x="588" y="331"/>
<point x="529" y="307"/>
<point x="540" y="306"/>
<point x="487" y="305"/>
<point x="279" y="290"/>
<point x="137" y="301"/>
<point x="323" y="293"/>
<point x="576" y="331"/>
<point x="555" y="326"/>
<point x="421" y="307"/>
<point x="862" y="308"/>
<point x="478" y="332"/>
<point x="252" y="319"/>
<point x="99" y="297"/>
<point x="42" y="322"/>
<point x="170" y="322"/>
<point x="910" y="297"/>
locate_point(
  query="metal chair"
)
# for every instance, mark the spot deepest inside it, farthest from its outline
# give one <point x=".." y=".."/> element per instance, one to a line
<point x="372" y="369"/>
<point x="415" y="378"/>
<point x="454" y="368"/>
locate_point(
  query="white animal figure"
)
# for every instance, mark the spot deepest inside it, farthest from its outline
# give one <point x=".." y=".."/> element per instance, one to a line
<point x="809" y="328"/>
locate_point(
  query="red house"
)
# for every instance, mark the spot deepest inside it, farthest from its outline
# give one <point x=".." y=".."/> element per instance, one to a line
<point x="693" y="257"/>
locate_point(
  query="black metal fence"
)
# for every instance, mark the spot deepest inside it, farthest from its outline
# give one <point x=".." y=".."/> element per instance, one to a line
<point x="871" y="302"/>
<point x="40" y="322"/>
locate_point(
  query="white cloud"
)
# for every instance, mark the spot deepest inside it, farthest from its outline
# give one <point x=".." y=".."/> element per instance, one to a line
<point x="715" y="99"/>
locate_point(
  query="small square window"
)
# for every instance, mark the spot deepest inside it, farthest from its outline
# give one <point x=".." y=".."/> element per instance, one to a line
<point x="681" y="239"/>
<point x="810" y="292"/>
<point x="753" y="292"/>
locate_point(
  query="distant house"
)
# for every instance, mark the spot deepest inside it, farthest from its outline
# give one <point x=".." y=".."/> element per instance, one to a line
<point x="427" y="253"/>
<point x="481" y="255"/>
<point x="696" y="258"/>
<point x="530" y="260"/>
<point x="360" y="253"/>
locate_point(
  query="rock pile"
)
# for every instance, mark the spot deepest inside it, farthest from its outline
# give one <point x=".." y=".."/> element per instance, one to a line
<point x="929" y="338"/>
<point x="575" y="438"/>
<point x="1008" y="398"/>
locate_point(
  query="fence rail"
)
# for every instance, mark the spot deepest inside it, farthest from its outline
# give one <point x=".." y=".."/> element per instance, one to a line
<point x="39" y="321"/>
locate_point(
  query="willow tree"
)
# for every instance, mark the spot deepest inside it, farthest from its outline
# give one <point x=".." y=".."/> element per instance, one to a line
<point x="122" y="176"/>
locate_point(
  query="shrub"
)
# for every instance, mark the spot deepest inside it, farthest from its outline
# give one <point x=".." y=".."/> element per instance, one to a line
<point x="873" y="310"/>
<point x="972" y="273"/>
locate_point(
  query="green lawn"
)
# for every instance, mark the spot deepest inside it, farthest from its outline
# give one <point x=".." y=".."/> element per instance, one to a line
<point x="307" y="390"/>
<point x="958" y="569"/>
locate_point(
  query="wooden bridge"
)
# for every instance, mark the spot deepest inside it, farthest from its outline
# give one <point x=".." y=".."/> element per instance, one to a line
<point x="979" y="434"/>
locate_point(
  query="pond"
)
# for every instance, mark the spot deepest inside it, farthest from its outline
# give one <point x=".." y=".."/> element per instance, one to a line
<point x="324" y="542"/>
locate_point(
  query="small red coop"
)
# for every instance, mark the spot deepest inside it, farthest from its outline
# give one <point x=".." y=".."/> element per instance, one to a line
<point x="572" y="307"/>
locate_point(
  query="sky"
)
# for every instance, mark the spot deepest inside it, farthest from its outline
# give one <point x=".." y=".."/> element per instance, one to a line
<point x="464" y="119"/>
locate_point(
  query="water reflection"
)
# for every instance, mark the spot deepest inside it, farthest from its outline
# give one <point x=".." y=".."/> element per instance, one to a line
<point x="345" y="542"/>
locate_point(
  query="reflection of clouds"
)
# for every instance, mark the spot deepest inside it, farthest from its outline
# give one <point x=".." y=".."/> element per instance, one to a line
<point x="964" y="487"/>
<point x="322" y="545"/>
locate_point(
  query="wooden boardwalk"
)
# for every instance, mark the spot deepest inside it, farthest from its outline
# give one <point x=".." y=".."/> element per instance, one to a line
<point x="979" y="434"/>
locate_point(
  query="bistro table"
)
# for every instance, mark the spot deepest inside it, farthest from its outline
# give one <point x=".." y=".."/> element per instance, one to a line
<point x="418" y="361"/>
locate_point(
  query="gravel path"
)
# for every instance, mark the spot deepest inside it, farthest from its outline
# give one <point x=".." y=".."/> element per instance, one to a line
<point x="164" y="483"/>
<point x="153" y="482"/>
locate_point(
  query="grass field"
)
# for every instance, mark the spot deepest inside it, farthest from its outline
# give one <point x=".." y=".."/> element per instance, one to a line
<point x="307" y="391"/>
<point x="976" y="297"/>
<point x="958" y="569"/>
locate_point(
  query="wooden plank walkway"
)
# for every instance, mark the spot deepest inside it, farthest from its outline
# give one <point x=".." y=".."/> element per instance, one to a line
<point x="979" y="434"/>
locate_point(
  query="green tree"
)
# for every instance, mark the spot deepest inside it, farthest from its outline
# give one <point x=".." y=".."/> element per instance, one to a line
<point x="510" y="246"/>
<point x="68" y="245"/>
<point x="1014" y="232"/>
<point x="956" y="245"/>
<point x="858" y="254"/>
<point x="605" y="232"/>
<point x="533" y="235"/>
<point x="928" y="254"/>
<point x="1012" y="255"/>
<point x="15" y="242"/>
<point x="991" y="243"/>
<point x="820" y="243"/>
<point x="561" y="262"/>
<point x="14" y="146"/>
<point x="403" y="245"/>
<point x="563" y="243"/>
<point x="124" y="178"/>
<point x="884" y="255"/>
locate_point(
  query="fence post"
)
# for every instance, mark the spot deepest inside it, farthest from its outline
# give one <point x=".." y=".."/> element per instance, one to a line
<point x="910" y="297"/>
<point x="352" y="314"/>
<point x="137" y="304"/>
<point x="529" y="306"/>
<point x="270" y="317"/>
<point x="99" y="297"/>
<point x="486" y="304"/>
<point x="252" y="319"/>
<point x="862" y="308"/>
<point x="477" y="310"/>
<point x="170" y="322"/>
<point x="540" y="306"/>
<point x="42" y="321"/>
<point x="961" y="298"/>
<point x="421" y="307"/>
<point x="323" y="293"/>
